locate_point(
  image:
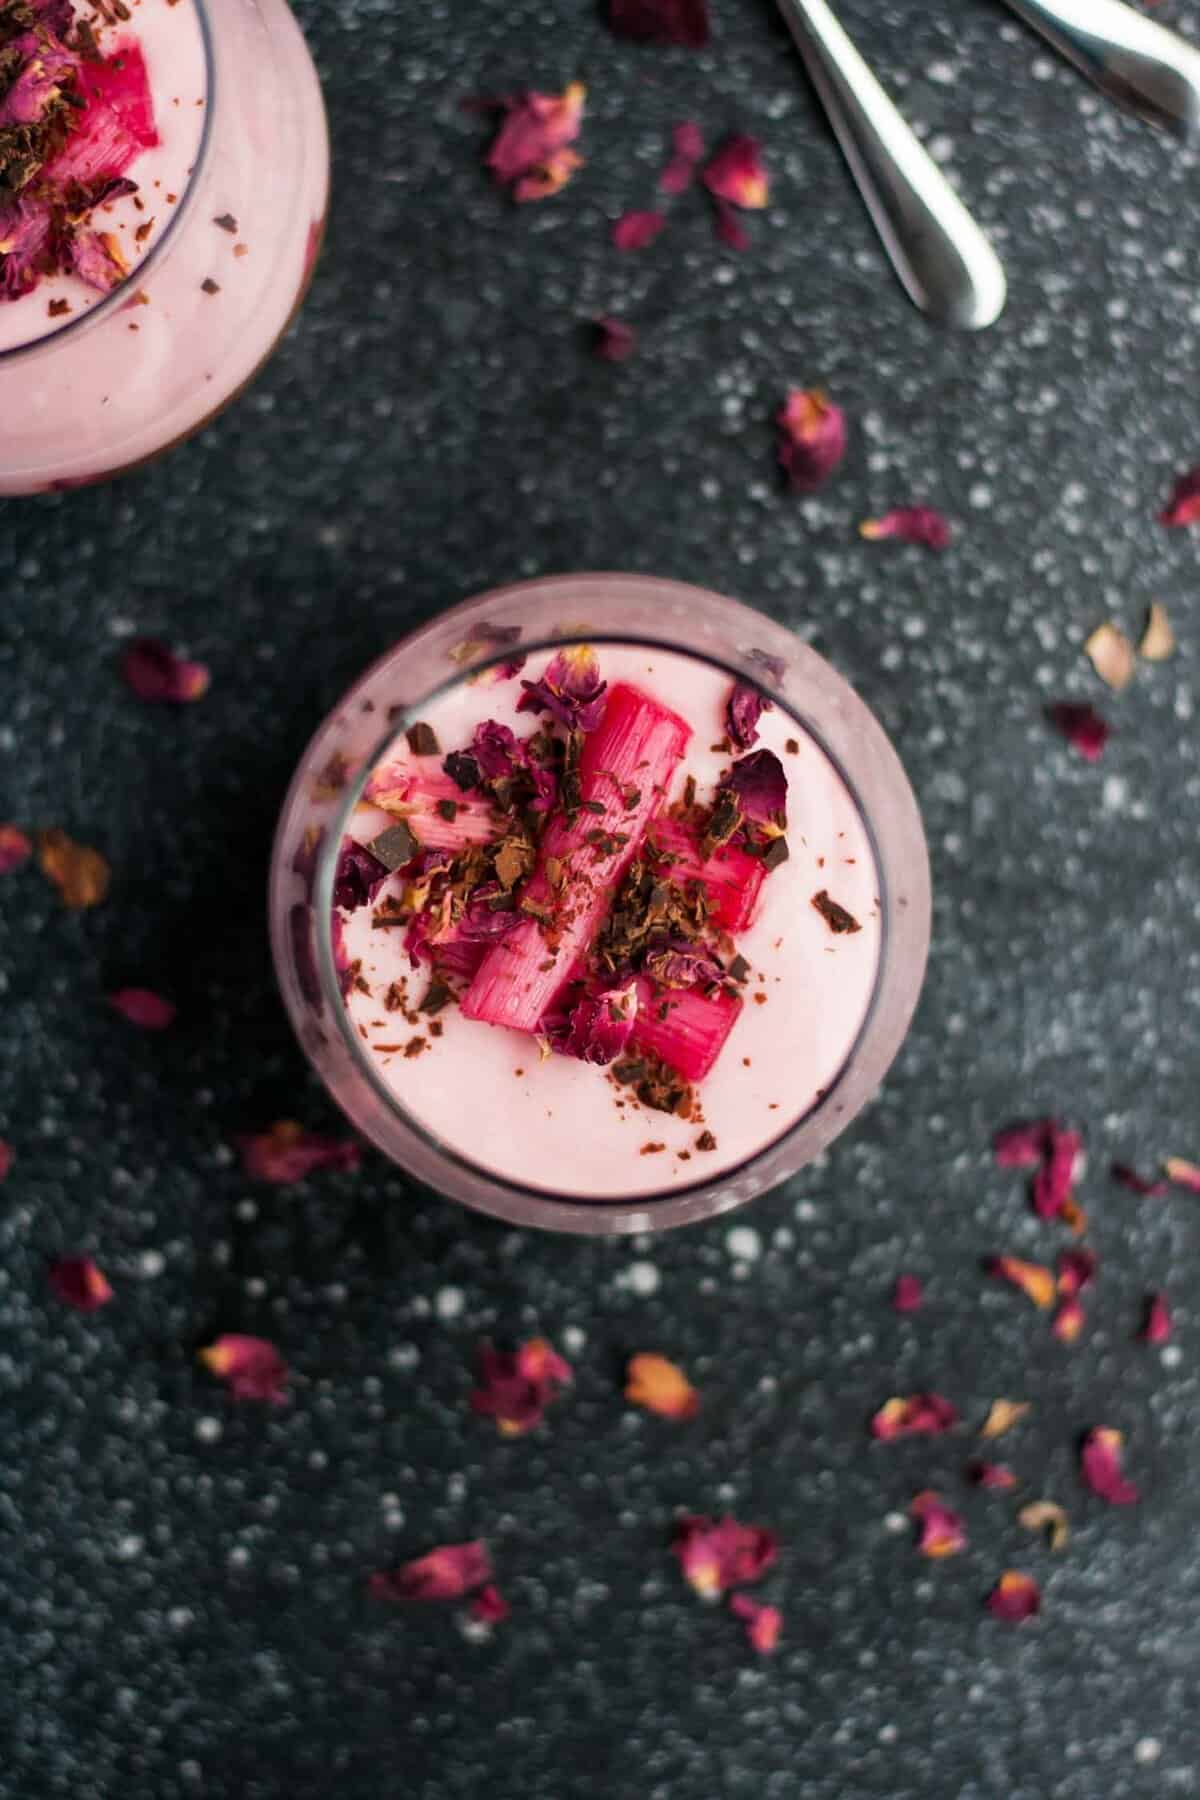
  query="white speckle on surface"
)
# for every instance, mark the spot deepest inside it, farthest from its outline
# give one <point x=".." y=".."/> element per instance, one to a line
<point x="404" y="1356"/>
<point x="944" y="73"/>
<point x="130" y="1546"/>
<point x="151" y="1263"/>
<point x="888" y="1734"/>
<point x="895" y="1522"/>
<point x="449" y="1302"/>
<point x="1171" y="1356"/>
<point x="1115" y="793"/>
<point x="180" y="1617"/>
<point x="641" y="1278"/>
<point x="980" y="496"/>
<point x="805" y="1211"/>
<point x="743" y="1242"/>
<point x="208" y="1429"/>
<point x="573" y="1339"/>
<point x="1147" y="1750"/>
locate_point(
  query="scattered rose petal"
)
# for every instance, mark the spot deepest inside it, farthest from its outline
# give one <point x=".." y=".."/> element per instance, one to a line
<point x="761" y="787"/>
<point x="1022" y="1146"/>
<point x="1100" y="1464"/>
<point x="1112" y="656"/>
<point x="6" y="1159"/>
<point x="636" y="230"/>
<point x="715" y="1554"/>
<point x="489" y="1606"/>
<point x="141" y="1007"/>
<point x="1014" y="1598"/>
<point x="1072" y="1215"/>
<point x="1046" y="1515"/>
<point x="811" y="439"/>
<point x="515" y="1387"/>
<point x="1157" y="1326"/>
<point x="737" y="173"/>
<point x="250" y="1367"/>
<point x="1158" y="639"/>
<point x="743" y="709"/>
<point x="661" y="1387"/>
<point x="942" y="1532"/>
<point x="661" y="22"/>
<point x="1076" y="1269"/>
<point x="1082" y="727"/>
<point x="15" y="848"/>
<point x="1033" y="1279"/>
<point x="1183" y="508"/>
<point x="912" y="525"/>
<point x="1182" y="1173"/>
<point x="730" y="229"/>
<point x="597" y="1029"/>
<point x="907" y="1294"/>
<point x="287" y="1152"/>
<point x="570" y="689"/>
<point x="913" y="1415"/>
<point x="1002" y="1416"/>
<point x="1138" y="1184"/>
<point x="154" y="672"/>
<point x="763" y="1623"/>
<point x="1052" y="1183"/>
<point x="1069" y="1322"/>
<point x="360" y="873"/>
<point x="80" y="875"/>
<point x="77" y="1282"/>
<point x="446" y="1573"/>
<point x="614" y="340"/>
<point x="529" y="153"/>
<point x="687" y="150"/>
<point x="993" y="1476"/>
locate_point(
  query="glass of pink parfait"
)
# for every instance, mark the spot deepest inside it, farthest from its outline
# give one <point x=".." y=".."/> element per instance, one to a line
<point x="164" y="180"/>
<point x="601" y="903"/>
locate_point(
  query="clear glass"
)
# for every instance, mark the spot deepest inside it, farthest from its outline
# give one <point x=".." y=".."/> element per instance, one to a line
<point x="620" y="608"/>
<point x="161" y="356"/>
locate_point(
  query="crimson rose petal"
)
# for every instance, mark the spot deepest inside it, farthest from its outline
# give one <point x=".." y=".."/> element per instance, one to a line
<point x="687" y="150"/>
<point x="763" y="1623"/>
<point x="913" y="1415"/>
<point x="515" y="1387"/>
<point x="250" y="1367"/>
<point x="907" y="1294"/>
<point x="154" y="672"/>
<point x="6" y="1158"/>
<point x="743" y="709"/>
<point x="446" y="1573"/>
<point x="1014" y="1598"/>
<point x="1138" y="1184"/>
<point x="287" y="1152"/>
<point x="636" y="230"/>
<point x="489" y="1606"/>
<point x="737" y="173"/>
<point x="1183" y="508"/>
<point x="570" y="690"/>
<point x="761" y="787"/>
<point x="996" y="1476"/>
<point x="812" y="438"/>
<point x="1100" y="1464"/>
<point x="15" y="848"/>
<point x="529" y="151"/>
<point x="941" y="1531"/>
<point x="663" y="22"/>
<point x="77" y="1282"/>
<point x="1082" y="726"/>
<point x="142" y="1007"/>
<point x="1157" y="1326"/>
<point x="716" y="1554"/>
<point x="912" y="525"/>
<point x="615" y="341"/>
<point x="1076" y="1269"/>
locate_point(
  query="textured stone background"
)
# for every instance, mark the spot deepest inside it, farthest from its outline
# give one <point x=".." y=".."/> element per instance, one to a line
<point x="184" y="1610"/>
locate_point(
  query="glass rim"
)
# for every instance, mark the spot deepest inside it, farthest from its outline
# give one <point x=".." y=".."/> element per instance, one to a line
<point x="76" y="327"/>
<point x="521" y="1194"/>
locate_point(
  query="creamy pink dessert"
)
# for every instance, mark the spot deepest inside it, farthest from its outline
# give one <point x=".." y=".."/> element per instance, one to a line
<point x="604" y="925"/>
<point x="163" y="184"/>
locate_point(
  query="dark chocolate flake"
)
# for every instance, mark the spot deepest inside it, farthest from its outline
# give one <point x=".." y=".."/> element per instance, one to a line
<point x="437" y="995"/>
<point x="209" y="286"/>
<point x="463" y="770"/>
<point x="776" y="853"/>
<point x="395" y="847"/>
<point x="835" y="916"/>
<point x="706" y="1141"/>
<point x="228" y="223"/>
<point x="739" y="969"/>
<point x="422" y="739"/>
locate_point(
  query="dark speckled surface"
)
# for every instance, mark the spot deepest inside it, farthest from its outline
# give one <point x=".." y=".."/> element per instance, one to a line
<point x="184" y="1610"/>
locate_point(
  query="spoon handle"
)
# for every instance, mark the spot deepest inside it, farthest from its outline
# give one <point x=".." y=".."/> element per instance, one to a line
<point x="1141" y="65"/>
<point x="945" y="264"/>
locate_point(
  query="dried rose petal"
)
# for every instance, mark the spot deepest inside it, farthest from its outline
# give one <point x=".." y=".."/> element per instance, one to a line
<point x="1137" y="1184"/>
<point x="912" y="525"/>
<point x="737" y="173"/>
<point x="942" y="1532"/>
<point x="250" y="1367"/>
<point x="359" y="876"/>
<point x="154" y="672"/>
<point x="489" y="1606"/>
<point x="1100" y="1464"/>
<point x="743" y="709"/>
<point x="598" y="1028"/>
<point x="763" y="1623"/>
<point x="687" y="150"/>
<point x="1022" y="1146"/>
<point x="15" y="848"/>
<point x="1046" y="1515"/>
<point x="730" y="229"/>
<point x="636" y="230"/>
<point x="614" y="340"/>
<point x="1014" y="1598"/>
<point x="1069" y="1322"/>
<point x="761" y="787"/>
<point x="6" y="1158"/>
<point x="446" y="1573"/>
<point x="1033" y="1279"/>
<point x="77" y="1282"/>
<point x="1182" y="1173"/>
<point x="287" y="1152"/>
<point x="1076" y="1269"/>
<point x="1112" y="656"/>
<point x="1183" y="508"/>
<point x="663" y="22"/>
<point x="570" y="690"/>
<point x="515" y="1387"/>
<point x="715" y="1554"/>
<point x="907" y="1294"/>
<point x="1052" y="1183"/>
<point x="661" y="1387"/>
<point x="811" y="440"/>
<point x="1157" y="1326"/>
<point x="142" y="1007"/>
<point x="1002" y="1416"/>
<point x="992" y="1476"/>
<point x="1082" y="727"/>
<point x="913" y="1415"/>
<point x="529" y="151"/>
<point x="682" y="965"/>
<point x="1158" y="639"/>
<point x="81" y="875"/>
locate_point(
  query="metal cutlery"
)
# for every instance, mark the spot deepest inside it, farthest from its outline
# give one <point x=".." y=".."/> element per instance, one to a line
<point x="1141" y="65"/>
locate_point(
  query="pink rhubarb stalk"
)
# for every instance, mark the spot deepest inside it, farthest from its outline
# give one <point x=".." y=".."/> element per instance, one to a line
<point x="692" y="1036"/>
<point x="414" y="795"/>
<point x="732" y="877"/>
<point x="625" y="772"/>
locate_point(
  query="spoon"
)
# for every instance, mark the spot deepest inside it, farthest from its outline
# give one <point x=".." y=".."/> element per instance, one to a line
<point x="1142" y="66"/>
<point x="944" y="262"/>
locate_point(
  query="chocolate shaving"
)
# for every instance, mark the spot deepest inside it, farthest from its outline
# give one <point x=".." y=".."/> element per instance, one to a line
<point x="228" y="223"/>
<point x="775" y="853"/>
<point x="437" y="995"/>
<point x="723" y="821"/>
<point x="422" y="739"/>
<point x="738" y="969"/>
<point x="706" y="1141"/>
<point x="463" y="770"/>
<point x="835" y="916"/>
<point x="209" y="286"/>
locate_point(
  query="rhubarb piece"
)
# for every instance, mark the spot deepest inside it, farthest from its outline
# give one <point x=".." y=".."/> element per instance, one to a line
<point x="116" y="123"/>
<point x="692" y="1034"/>
<point x="420" y="796"/>
<point x="731" y="877"/>
<point x="634" y="751"/>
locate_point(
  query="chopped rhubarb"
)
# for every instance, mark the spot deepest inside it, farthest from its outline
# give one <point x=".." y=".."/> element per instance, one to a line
<point x="626" y="767"/>
<point x="424" y="798"/>
<point x="692" y="1035"/>
<point x="459" y="957"/>
<point x="116" y="123"/>
<point x="731" y="876"/>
